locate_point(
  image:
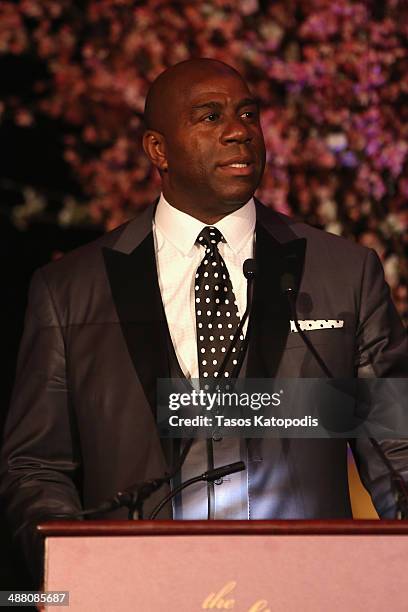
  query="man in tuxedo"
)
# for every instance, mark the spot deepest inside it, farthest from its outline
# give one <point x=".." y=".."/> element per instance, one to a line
<point x="106" y="321"/>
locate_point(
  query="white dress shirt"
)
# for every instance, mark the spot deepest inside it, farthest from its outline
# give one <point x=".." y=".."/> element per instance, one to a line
<point x="178" y="257"/>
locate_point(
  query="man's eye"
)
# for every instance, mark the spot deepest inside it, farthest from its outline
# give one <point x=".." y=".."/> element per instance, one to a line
<point x="249" y="114"/>
<point x="212" y="117"/>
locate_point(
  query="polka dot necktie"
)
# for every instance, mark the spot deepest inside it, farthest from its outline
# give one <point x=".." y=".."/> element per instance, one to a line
<point x="217" y="316"/>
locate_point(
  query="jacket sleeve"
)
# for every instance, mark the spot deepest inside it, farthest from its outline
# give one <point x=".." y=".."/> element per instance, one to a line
<point x="40" y="462"/>
<point x="382" y="352"/>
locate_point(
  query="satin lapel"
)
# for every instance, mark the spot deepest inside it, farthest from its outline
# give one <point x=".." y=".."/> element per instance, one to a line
<point x="270" y="318"/>
<point x="135" y="291"/>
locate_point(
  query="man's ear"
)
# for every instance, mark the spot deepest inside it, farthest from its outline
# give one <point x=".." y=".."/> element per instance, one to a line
<point x="155" y="148"/>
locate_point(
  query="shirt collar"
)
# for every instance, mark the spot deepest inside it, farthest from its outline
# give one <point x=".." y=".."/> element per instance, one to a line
<point x="182" y="230"/>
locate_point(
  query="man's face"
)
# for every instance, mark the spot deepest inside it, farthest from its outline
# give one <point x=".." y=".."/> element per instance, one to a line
<point x="214" y="147"/>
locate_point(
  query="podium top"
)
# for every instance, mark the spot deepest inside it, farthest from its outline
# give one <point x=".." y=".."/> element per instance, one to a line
<point x="161" y="528"/>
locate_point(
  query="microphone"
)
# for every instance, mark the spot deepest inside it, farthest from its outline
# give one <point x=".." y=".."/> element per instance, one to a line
<point x="288" y="284"/>
<point x="133" y="497"/>
<point x="288" y="287"/>
<point x="249" y="269"/>
<point x="208" y="476"/>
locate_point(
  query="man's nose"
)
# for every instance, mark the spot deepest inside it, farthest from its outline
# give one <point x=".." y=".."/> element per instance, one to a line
<point x="235" y="130"/>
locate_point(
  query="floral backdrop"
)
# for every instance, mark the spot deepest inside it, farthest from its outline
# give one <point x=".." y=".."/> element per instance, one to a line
<point x="331" y="77"/>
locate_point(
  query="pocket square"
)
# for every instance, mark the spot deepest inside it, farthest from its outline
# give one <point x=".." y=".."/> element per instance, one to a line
<point x="312" y="324"/>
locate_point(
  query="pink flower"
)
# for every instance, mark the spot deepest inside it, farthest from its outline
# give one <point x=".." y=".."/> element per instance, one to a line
<point x="330" y="79"/>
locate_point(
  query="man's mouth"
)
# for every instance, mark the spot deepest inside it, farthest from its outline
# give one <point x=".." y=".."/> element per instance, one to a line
<point x="235" y="168"/>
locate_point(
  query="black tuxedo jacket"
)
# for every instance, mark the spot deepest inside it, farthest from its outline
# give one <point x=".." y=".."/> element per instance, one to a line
<point x="82" y="420"/>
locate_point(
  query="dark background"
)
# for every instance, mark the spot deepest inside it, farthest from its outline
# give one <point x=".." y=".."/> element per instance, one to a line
<point x="32" y="157"/>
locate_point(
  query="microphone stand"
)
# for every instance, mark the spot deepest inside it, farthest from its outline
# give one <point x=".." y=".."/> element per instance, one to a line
<point x="249" y="273"/>
<point x="208" y="476"/>
<point x="249" y="270"/>
<point x="398" y="484"/>
<point x="288" y="288"/>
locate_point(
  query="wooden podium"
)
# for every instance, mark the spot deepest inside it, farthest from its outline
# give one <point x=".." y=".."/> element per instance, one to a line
<point x="256" y="566"/>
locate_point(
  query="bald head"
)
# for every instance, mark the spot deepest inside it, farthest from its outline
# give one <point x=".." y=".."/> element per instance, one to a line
<point x="204" y="136"/>
<point x="174" y="82"/>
